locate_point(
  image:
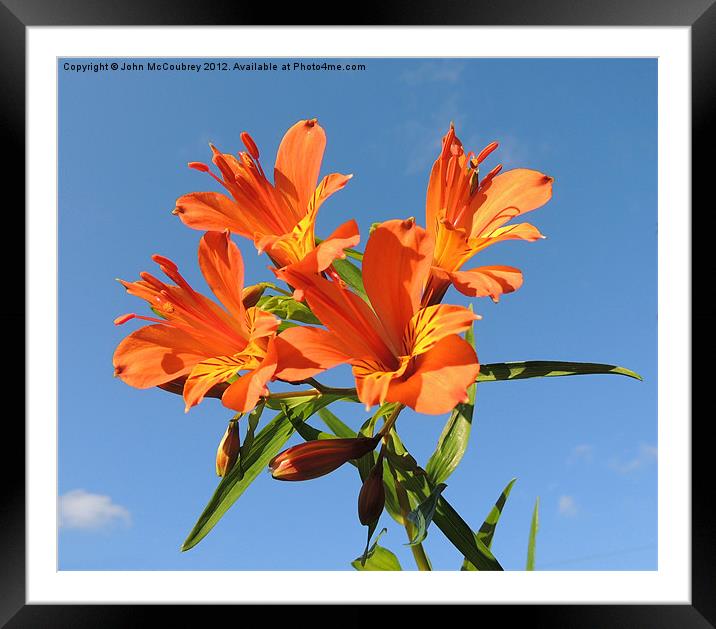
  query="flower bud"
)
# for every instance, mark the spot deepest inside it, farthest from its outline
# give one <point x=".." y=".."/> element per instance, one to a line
<point x="371" y="499"/>
<point x="251" y="294"/>
<point x="228" y="451"/>
<point x="317" y="458"/>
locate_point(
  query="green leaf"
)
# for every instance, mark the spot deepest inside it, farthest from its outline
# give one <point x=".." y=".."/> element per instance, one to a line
<point x="447" y="519"/>
<point x="266" y="445"/>
<point x="456" y="434"/>
<point x="336" y="425"/>
<point x="422" y="515"/>
<point x="534" y="526"/>
<point x="487" y="530"/>
<point x="547" y="369"/>
<point x="285" y="307"/>
<point x="378" y="558"/>
<point x="352" y="276"/>
<point x="253" y="422"/>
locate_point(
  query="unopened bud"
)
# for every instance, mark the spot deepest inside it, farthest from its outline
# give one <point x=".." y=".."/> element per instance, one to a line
<point x="371" y="498"/>
<point x="251" y="294"/>
<point x="317" y="458"/>
<point x="228" y="451"/>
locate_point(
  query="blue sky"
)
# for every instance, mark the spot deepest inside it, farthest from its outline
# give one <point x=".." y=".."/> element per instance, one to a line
<point x="135" y="471"/>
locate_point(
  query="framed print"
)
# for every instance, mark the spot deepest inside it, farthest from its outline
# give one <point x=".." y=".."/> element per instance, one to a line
<point x="302" y="221"/>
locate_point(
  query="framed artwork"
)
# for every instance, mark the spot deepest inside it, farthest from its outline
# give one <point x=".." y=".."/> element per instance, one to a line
<point x="320" y="301"/>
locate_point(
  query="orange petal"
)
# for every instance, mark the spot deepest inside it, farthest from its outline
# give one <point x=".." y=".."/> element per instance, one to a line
<point x="244" y="394"/>
<point x="156" y="354"/>
<point x="260" y="323"/>
<point x="207" y="374"/>
<point x="298" y="161"/>
<point x="519" y="231"/>
<point x="211" y="211"/>
<point x="487" y="281"/>
<point x="223" y="269"/>
<point x="430" y="325"/>
<point x="395" y="267"/>
<point x="373" y="380"/>
<point x="508" y="195"/>
<point x="320" y="258"/>
<point x="329" y="184"/>
<point x="304" y="352"/>
<point x="345" y="314"/>
<point x="439" y="379"/>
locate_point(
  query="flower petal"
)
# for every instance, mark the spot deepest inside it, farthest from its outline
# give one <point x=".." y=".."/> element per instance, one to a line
<point x="430" y="325"/>
<point x="304" y="352"/>
<point x="244" y="394"/>
<point x="322" y="256"/>
<point x="395" y="267"/>
<point x="510" y="194"/>
<point x="156" y="354"/>
<point x="211" y="211"/>
<point x="439" y="379"/>
<point x="519" y="231"/>
<point x="487" y="281"/>
<point x="223" y="269"/>
<point x="298" y="161"/>
<point x="207" y="374"/>
<point x="373" y="380"/>
<point x="343" y="313"/>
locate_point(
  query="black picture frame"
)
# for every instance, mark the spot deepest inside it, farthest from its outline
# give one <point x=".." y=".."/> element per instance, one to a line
<point x="16" y="15"/>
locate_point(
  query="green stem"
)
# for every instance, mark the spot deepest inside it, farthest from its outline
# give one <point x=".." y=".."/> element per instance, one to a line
<point x="421" y="559"/>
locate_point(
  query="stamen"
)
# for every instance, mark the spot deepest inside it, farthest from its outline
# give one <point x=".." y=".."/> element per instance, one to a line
<point x="200" y="166"/>
<point x="165" y="263"/>
<point x="250" y="145"/>
<point x="482" y="155"/>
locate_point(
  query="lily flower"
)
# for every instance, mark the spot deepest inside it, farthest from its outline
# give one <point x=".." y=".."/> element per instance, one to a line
<point x="399" y="351"/>
<point x="465" y="215"/>
<point x="195" y="339"/>
<point x="280" y="218"/>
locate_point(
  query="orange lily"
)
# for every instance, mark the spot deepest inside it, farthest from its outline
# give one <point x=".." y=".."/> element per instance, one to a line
<point x="466" y="215"/>
<point x="398" y="351"/>
<point x="280" y="218"/>
<point x="196" y="338"/>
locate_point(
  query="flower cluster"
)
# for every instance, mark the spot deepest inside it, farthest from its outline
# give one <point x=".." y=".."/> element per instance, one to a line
<point x="404" y="345"/>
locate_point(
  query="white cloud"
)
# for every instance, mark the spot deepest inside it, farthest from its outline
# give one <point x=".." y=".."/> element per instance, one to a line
<point x="647" y="454"/>
<point x="80" y="509"/>
<point x="582" y="452"/>
<point x="567" y="506"/>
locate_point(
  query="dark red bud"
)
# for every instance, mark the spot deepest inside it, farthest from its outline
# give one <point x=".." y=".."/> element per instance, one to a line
<point x="371" y="499"/>
<point x="317" y="458"/>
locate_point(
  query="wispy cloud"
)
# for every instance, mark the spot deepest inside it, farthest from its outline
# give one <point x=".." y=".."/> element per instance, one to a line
<point x="433" y="72"/>
<point x="580" y="454"/>
<point x="646" y="455"/>
<point x="423" y="136"/>
<point x="80" y="509"/>
<point x="567" y="506"/>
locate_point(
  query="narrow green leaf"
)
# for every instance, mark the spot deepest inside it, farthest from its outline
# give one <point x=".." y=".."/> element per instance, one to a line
<point x="487" y="530"/>
<point x="286" y="307"/>
<point x="253" y="422"/>
<point x="461" y="536"/>
<point x="422" y="515"/>
<point x="447" y="519"/>
<point x="336" y="425"/>
<point x="547" y="369"/>
<point x="267" y="444"/>
<point x="455" y="435"/>
<point x="351" y="275"/>
<point x="534" y="527"/>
